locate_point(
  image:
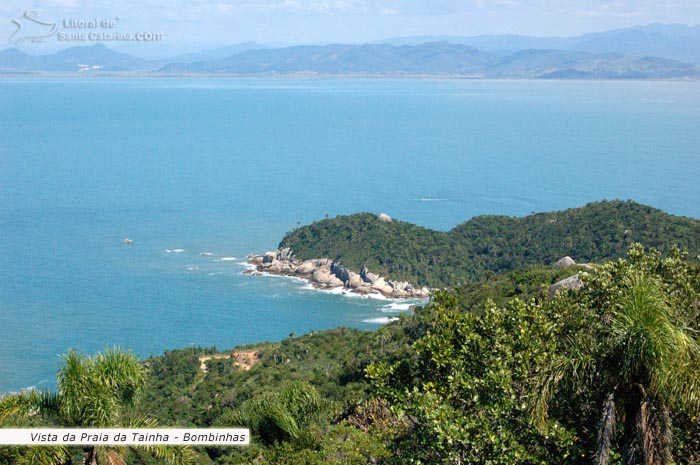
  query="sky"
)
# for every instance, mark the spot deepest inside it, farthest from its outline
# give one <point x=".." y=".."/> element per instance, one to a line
<point x="188" y="26"/>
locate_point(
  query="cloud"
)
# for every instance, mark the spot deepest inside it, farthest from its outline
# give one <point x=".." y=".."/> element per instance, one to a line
<point x="613" y="9"/>
<point x="324" y="7"/>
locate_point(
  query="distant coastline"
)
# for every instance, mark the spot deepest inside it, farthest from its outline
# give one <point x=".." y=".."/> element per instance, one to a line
<point x="8" y="75"/>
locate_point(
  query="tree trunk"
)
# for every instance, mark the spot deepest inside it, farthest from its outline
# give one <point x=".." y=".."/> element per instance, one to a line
<point x="631" y="448"/>
<point x="648" y="437"/>
<point x="657" y="438"/>
<point x="90" y="456"/>
<point x="605" y="432"/>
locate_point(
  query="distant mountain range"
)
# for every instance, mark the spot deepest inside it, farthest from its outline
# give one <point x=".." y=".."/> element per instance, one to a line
<point x="616" y="54"/>
<point x="672" y="41"/>
<point x="91" y="58"/>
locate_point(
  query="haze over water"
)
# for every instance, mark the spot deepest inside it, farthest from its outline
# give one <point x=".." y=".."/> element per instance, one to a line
<point x="227" y="166"/>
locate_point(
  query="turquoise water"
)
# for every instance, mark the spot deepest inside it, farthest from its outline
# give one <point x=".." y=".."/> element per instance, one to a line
<point x="227" y="166"/>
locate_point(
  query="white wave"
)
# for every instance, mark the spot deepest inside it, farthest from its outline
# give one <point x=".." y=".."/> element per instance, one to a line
<point x="396" y="307"/>
<point x="216" y="274"/>
<point x="174" y="250"/>
<point x="31" y="388"/>
<point x="337" y="290"/>
<point x="380" y="321"/>
<point x="206" y="254"/>
<point x="431" y="199"/>
<point x="247" y="266"/>
<point x="225" y="259"/>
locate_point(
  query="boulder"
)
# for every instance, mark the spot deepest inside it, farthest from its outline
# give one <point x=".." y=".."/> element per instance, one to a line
<point x="363" y="290"/>
<point x="564" y="263"/>
<point x="321" y="276"/>
<point x="572" y="282"/>
<point x="367" y="276"/>
<point x="385" y="218"/>
<point x="281" y="267"/>
<point x="268" y="258"/>
<point x="340" y="272"/>
<point x="382" y="286"/>
<point x="333" y="281"/>
<point x="284" y="254"/>
<point x="307" y="267"/>
<point x="355" y="281"/>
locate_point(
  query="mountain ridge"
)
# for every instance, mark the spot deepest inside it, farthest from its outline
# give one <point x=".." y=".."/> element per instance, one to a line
<point x="435" y="58"/>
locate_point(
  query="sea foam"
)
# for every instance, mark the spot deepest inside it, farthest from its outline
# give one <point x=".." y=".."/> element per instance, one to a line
<point x="381" y="321"/>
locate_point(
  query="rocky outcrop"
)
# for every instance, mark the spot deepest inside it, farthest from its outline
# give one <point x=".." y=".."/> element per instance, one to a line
<point x="564" y="263"/>
<point x="328" y="274"/>
<point x="572" y="282"/>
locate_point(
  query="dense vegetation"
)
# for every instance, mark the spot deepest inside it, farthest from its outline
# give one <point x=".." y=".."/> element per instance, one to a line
<point x="491" y="244"/>
<point x="494" y="372"/>
<point x="99" y="391"/>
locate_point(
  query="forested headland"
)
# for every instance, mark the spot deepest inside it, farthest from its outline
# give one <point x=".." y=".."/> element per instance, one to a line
<point x="490" y="244"/>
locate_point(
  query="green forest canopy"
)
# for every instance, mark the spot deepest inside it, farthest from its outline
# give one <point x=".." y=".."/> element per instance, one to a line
<point x="491" y="244"/>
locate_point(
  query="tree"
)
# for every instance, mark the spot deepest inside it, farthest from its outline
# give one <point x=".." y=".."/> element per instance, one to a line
<point x="278" y="417"/>
<point x="97" y="391"/>
<point x="466" y="396"/>
<point x="637" y="346"/>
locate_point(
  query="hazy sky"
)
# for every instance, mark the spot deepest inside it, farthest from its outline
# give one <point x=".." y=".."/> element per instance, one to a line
<point x="197" y="24"/>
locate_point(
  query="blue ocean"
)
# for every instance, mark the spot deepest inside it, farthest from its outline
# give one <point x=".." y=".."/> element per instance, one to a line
<point x="224" y="167"/>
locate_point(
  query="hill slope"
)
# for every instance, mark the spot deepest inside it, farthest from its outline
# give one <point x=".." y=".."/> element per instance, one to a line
<point x="437" y="58"/>
<point x="673" y="41"/>
<point x="596" y="232"/>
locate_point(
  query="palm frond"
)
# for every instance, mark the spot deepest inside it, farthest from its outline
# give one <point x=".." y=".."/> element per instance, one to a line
<point x="45" y="455"/>
<point x="172" y="455"/>
<point x="654" y="343"/>
<point x="572" y="366"/>
<point x="120" y="371"/>
<point x="23" y="405"/>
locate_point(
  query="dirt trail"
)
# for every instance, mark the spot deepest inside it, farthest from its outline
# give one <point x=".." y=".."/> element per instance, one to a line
<point x="244" y="359"/>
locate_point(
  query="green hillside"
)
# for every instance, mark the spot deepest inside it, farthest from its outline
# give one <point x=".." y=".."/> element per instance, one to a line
<point x="492" y="373"/>
<point x="491" y="244"/>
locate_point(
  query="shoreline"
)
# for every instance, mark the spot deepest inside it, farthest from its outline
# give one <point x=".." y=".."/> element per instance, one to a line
<point x="329" y="275"/>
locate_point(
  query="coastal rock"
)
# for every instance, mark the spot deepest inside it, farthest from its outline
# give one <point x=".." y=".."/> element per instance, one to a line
<point x="307" y="267"/>
<point x="385" y="218"/>
<point x="363" y="290"/>
<point x="281" y="267"/>
<point x="324" y="277"/>
<point x="320" y="276"/>
<point x="367" y="276"/>
<point x="335" y="282"/>
<point x="355" y="281"/>
<point x="284" y="254"/>
<point x="572" y="282"/>
<point x="564" y="263"/>
<point x="382" y="286"/>
<point x="327" y="274"/>
<point x="340" y="272"/>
